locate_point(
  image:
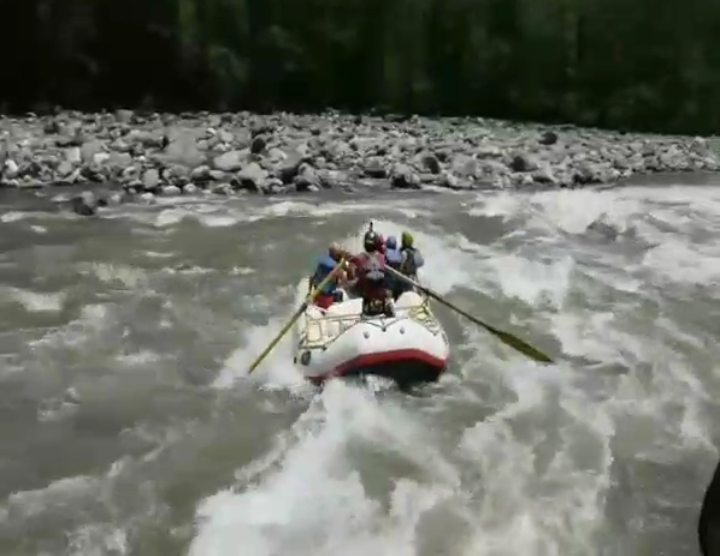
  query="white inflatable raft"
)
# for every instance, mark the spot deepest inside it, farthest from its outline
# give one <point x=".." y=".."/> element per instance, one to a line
<point x="410" y="347"/>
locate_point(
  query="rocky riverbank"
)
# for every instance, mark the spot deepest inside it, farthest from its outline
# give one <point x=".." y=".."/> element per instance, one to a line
<point x="136" y="157"/>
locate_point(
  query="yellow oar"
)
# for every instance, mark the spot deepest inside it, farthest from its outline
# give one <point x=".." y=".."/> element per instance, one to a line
<point x="311" y="297"/>
<point x="505" y="337"/>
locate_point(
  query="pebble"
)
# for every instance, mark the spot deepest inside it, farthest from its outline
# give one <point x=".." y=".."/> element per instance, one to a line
<point x="144" y="155"/>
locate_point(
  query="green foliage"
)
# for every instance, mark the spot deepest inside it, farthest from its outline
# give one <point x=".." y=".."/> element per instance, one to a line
<point x="642" y="64"/>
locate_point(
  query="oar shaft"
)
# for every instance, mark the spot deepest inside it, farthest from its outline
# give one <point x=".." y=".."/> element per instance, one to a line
<point x="505" y="337"/>
<point x="277" y="338"/>
<point x="310" y="298"/>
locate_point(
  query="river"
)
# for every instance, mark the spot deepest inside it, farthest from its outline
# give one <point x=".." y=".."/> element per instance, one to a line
<point x="129" y="426"/>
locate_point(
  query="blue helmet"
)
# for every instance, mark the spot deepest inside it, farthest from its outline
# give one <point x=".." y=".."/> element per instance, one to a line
<point x="391" y="242"/>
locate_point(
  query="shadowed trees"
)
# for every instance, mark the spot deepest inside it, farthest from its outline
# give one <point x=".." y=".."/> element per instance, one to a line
<point x="643" y="64"/>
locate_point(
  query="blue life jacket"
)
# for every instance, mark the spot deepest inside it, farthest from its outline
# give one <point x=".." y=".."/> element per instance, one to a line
<point x="325" y="266"/>
<point x="393" y="258"/>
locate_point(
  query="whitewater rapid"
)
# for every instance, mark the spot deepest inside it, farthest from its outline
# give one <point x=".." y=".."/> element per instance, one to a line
<point x="523" y="497"/>
<point x="605" y="453"/>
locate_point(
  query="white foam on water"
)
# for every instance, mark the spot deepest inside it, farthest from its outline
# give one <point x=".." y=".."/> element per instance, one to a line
<point x="16" y="216"/>
<point x="533" y="282"/>
<point x="93" y="319"/>
<point x="242" y="271"/>
<point x="215" y="213"/>
<point x="677" y="262"/>
<point x="98" y="539"/>
<point x="158" y="255"/>
<point x="34" y="302"/>
<point x="309" y="498"/>
<point x="275" y="371"/>
<point x="189" y="271"/>
<point x="27" y="504"/>
<point x="313" y="501"/>
<point x="128" y="277"/>
<point x="99" y="525"/>
<point x="12" y="216"/>
<point x="532" y="474"/>
<point x="531" y="507"/>
<point x="212" y="216"/>
<point x="140" y="358"/>
<point x="572" y="211"/>
<point x="665" y="218"/>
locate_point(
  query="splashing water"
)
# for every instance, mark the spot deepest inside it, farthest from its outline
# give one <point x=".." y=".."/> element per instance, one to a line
<point x="605" y="453"/>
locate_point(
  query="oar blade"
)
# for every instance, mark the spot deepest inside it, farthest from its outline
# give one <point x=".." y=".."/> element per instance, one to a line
<point x="521" y="346"/>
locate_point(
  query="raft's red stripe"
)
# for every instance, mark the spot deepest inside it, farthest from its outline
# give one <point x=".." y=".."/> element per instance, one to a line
<point x="393" y="356"/>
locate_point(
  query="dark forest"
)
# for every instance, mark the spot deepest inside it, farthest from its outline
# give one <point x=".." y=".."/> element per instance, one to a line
<point x="628" y="64"/>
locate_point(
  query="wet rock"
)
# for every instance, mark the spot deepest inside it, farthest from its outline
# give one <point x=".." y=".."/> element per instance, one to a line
<point x="85" y="204"/>
<point x="222" y="189"/>
<point x="251" y="178"/>
<point x="307" y="179"/>
<point x="464" y="165"/>
<point x="375" y="169"/>
<point x="64" y="169"/>
<point x="116" y="199"/>
<point x="404" y="178"/>
<point x="52" y="127"/>
<point x="10" y="170"/>
<point x="451" y="181"/>
<point x="545" y="176"/>
<point x="151" y="180"/>
<point x="73" y="155"/>
<point x="331" y="179"/>
<point x="431" y="162"/>
<point x="489" y="151"/>
<point x="231" y="161"/>
<point x="88" y="151"/>
<point x="201" y="174"/>
<point x="548" y="138"/>
<point x="523" y="163"/>
<point x="258" y="145"/>
<point x="147" y="198"/>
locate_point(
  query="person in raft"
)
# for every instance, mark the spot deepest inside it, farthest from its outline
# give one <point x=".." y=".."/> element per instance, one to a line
<point x="370" y="281"/>
<point x="394" y="259"/>
<point x="412" y="259"/>
<point x="331" y="292"/>
<point x="406" y="259"/>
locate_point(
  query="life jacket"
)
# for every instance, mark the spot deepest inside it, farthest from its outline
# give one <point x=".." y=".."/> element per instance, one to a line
<point x="371" y="276"/>
<point x="326" y="264"/>
<point x="373" y="268"/>
<point x="393" y="258"/>
<point x="409" y="266"/>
